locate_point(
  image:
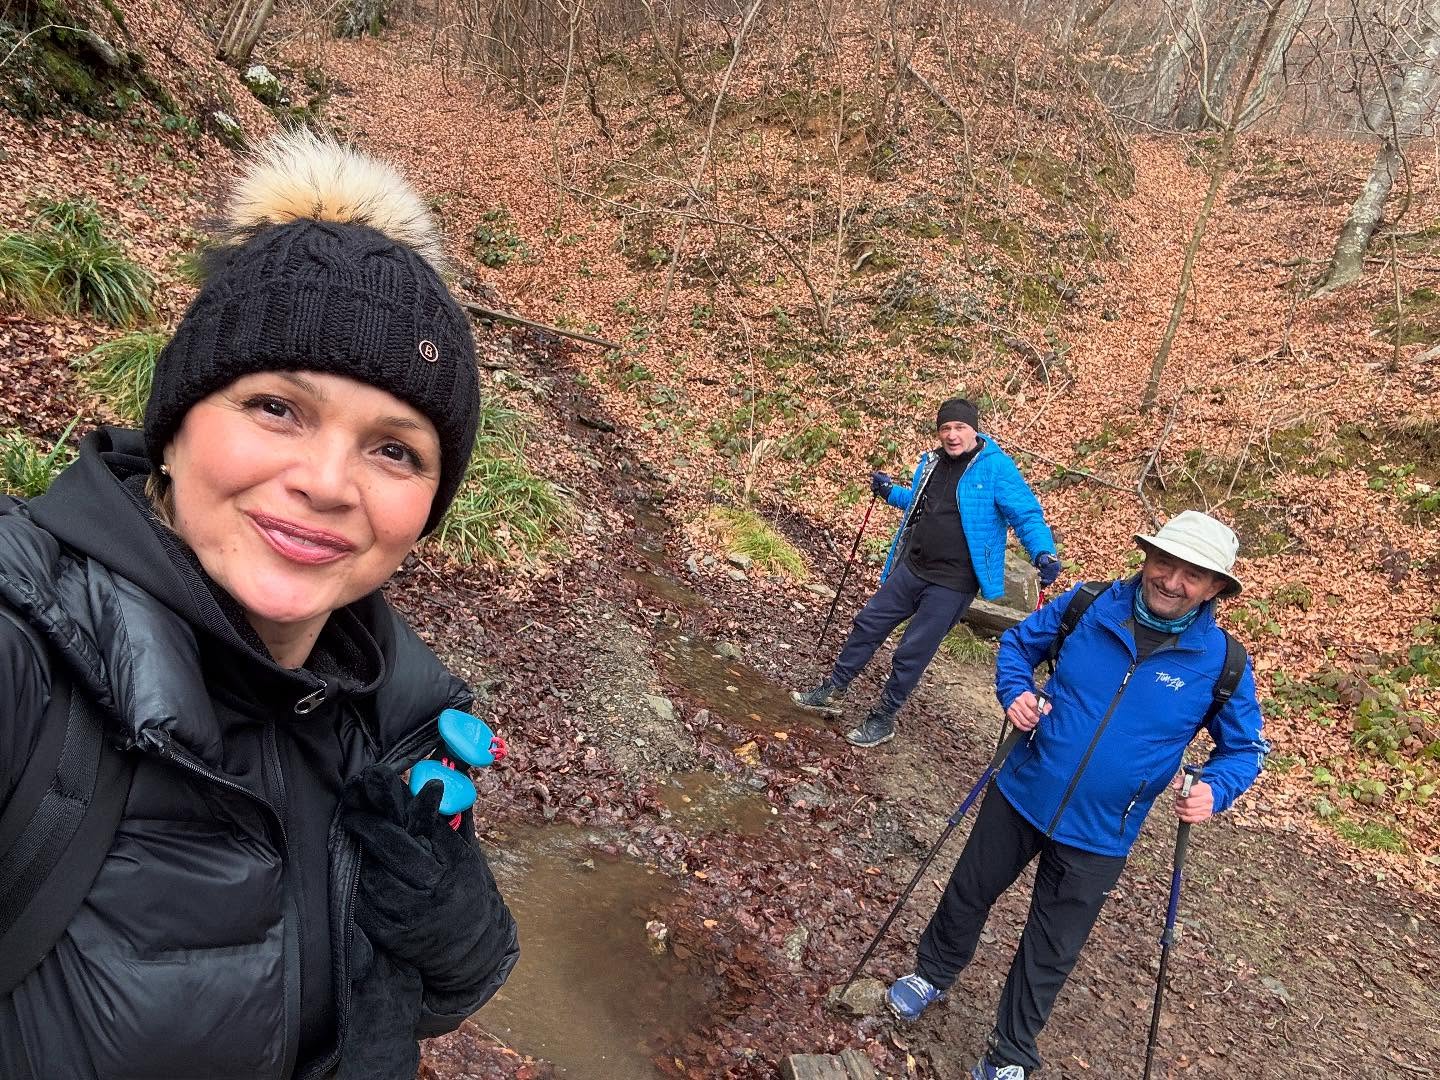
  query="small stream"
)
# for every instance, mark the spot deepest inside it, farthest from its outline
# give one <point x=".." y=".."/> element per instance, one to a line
<point x="589" y="995"/>
<point x="594" y="993"/>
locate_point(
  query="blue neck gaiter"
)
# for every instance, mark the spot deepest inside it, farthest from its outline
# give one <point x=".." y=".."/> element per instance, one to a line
<point x="1166" y="626"/>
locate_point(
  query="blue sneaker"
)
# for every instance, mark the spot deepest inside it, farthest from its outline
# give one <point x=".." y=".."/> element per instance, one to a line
<point x="911" y="995"/>
<point x="986" y="1070"/>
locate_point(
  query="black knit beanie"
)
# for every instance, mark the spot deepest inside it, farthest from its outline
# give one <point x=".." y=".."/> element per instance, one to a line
<point x="957" y="409"/>
<point x="320" y="276"/>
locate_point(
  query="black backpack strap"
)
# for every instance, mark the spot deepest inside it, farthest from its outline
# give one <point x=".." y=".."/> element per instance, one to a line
<point x="1229" y="679"/>
<point x="1080" y="603"/>
<point x="56" y="829"/>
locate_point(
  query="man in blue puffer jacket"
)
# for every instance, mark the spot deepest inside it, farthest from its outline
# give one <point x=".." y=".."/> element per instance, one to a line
<point x="950" y="545"/>
<point x="1132" y="686"/>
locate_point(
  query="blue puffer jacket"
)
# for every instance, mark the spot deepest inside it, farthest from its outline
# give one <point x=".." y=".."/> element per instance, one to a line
<point x="1118" y="728"/>
<point x="991" y="496"/>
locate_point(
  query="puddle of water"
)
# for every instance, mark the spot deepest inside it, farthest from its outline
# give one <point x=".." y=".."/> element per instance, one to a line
<point x="702" y="801"/>
<point x="731" y="689"/>
<point x="588" y="994"/>
<point x="667" y="589"/>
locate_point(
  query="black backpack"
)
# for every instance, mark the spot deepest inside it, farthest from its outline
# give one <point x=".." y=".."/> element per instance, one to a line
<point x="1090" y="591"/>
<point x="57" y="828"/>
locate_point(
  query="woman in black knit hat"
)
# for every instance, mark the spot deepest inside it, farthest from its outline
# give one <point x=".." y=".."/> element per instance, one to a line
<point x="209" y="865"/>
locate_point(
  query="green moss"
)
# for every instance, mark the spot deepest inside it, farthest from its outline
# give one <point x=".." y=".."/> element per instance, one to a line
<point x="1418" y="319"/>
<point x="1044" y="173"/>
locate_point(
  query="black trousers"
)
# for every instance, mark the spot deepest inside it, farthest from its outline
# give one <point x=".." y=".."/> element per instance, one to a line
<point x="1070" y="888"/>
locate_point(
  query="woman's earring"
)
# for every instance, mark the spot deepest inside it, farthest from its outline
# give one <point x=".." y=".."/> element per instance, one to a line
<point x="164" y="470"/>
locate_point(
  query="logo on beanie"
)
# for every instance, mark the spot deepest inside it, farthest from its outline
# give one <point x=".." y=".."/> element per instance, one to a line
<point x="428" y="352"/>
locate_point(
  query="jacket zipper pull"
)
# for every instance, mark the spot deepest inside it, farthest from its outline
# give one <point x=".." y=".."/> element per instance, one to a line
<point x="310" y="702"/>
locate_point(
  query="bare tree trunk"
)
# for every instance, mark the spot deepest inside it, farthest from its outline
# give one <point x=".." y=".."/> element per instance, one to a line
<point x="244" y="23"/>
<point x="704" y="164"/>
<point x="1275" y="64"/>
<point x="1217" y="174"/>
<point x="1191" y="114"/>
<point x="1178" y="59"/>
<point x="1087" y="20"/>
<point x="1407" y="112"/>
<point x="671" y="61"/>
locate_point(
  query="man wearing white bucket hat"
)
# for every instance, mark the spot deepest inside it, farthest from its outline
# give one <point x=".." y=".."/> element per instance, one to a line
<point x="1143" y="669"/>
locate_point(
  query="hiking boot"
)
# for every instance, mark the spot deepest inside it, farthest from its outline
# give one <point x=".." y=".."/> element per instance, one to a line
<point x="911" y="995"/>
<point x="824" y="698"/>
<point x="985" y="1069"/>
<point x="877" y="727"/>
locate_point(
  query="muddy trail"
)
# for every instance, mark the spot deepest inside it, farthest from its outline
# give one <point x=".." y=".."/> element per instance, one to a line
<point x="694" y="862"/>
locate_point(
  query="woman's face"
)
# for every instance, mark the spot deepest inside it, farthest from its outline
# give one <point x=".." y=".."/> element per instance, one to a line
<point x="301" y="492"/>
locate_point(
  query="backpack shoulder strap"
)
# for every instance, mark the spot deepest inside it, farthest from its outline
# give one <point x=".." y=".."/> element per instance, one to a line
<point x="1080" y="603"/>
<point x="56" y="828"/>
<point x="1229" y="679"/>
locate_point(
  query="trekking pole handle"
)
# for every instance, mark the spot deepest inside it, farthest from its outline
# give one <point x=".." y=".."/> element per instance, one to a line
<point x="1192" y="774"/>
<point x="471" y="741"/>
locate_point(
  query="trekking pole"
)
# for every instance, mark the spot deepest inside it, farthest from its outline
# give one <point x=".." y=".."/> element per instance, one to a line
<point x="1001" y="753"/>
<point x="846" y="573"/>
<point x="1182" y="841"/>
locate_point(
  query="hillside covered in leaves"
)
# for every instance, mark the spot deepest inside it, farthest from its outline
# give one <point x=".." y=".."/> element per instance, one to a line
<point x="793" y="231"/>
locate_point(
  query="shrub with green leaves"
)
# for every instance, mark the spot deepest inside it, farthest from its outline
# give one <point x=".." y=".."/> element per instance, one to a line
<point x="26" y="469"/>
<point x="121" y="370"/>
<point x="65" y="262"/>
<point x="503" y="512"/>
<point x="494" y="241"/>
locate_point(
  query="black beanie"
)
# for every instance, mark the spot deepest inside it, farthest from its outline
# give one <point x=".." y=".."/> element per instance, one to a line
<point x="956" y="408"/>
<point x="351" y="293"/>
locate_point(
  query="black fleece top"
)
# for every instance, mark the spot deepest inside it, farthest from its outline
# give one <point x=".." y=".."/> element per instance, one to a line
<point x="938" y="551"/>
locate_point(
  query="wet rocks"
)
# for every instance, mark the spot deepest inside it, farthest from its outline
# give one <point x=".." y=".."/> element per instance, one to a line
<point x="846" y="1065"/>
<point x="866" y="997"/>
<point x="727" y="649"/>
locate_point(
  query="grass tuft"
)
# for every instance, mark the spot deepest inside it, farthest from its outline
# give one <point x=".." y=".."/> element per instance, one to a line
<point x="22" y="274"/>
<point x="1370" y="835"/>
<point x="962" y="644"/>
<point x="25" y="469"/>
<point x="747" y="533"/>
<point x="122" y="369"/>
<point x="503" y="513"/>
<point x="66" y="263"/>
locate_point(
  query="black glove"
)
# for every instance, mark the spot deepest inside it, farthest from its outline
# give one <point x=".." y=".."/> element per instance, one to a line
<point x="880" y="485"/>
<point x="426" y="893"/>
<point x="380" y="1041"/>
<point x="1048" y="566"/>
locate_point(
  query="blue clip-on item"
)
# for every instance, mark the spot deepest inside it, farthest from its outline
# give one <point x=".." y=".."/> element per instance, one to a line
<point x="470" y="739"/>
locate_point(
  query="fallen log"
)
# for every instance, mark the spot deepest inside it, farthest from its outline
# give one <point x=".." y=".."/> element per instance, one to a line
<point x="501" y="316"/>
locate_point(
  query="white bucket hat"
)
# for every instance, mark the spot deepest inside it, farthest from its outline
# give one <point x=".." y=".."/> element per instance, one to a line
<point x="1200" y="540"/>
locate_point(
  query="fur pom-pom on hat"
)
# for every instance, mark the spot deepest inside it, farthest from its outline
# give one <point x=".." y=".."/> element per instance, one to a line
<point x="330" y="262"/>
<point x="299" y="174"/>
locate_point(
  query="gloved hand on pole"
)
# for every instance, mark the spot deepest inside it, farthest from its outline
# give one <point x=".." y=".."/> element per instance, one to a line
<point x="1047" y="565"/>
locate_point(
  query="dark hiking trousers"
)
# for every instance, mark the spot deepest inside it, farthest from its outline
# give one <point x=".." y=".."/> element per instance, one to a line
<point x="933" y="610"/>
<point x="1070" y="888"/>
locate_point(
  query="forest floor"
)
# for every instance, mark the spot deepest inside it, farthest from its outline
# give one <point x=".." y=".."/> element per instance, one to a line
<point x="694" y="862"/>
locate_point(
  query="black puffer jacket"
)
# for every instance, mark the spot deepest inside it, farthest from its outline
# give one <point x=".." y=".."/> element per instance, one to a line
<point x="216" y="939"/>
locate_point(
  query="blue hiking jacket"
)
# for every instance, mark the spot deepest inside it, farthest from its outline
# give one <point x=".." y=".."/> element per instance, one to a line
<point x="991" y="495"/>
<point x="1118" y="728"/>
